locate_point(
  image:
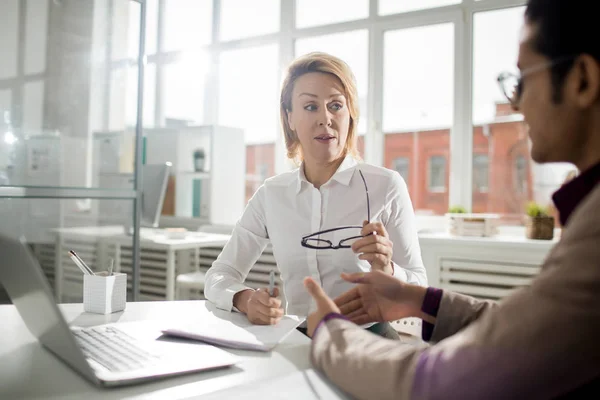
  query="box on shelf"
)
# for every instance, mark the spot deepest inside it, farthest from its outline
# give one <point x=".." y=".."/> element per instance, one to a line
<point x="473" y="224"/>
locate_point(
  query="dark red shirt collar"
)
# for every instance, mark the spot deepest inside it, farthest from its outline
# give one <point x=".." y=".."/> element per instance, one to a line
<point x="568" y="197"/>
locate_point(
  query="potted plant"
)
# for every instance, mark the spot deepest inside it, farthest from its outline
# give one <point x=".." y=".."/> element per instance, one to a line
<point x="539" y="223"/>
<point x="457" y="210"/>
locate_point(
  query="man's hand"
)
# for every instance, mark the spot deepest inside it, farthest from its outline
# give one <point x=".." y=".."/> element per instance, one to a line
<point x="324" y="305"/>
<point x="259" y="307"/>
<point x="379" y="297"/>
<point x="375" y="247"/>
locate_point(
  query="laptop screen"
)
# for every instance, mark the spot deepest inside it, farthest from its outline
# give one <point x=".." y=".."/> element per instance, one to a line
<point x="27" y="287"/>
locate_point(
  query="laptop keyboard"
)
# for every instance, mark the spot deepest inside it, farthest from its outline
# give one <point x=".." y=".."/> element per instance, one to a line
<point x="114" y="349"/>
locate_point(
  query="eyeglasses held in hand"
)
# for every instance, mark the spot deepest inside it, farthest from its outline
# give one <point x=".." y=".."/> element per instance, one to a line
<point x="313" y="241"/>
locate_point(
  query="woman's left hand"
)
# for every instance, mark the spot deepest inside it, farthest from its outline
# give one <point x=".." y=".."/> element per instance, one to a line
<point x="375" y="247"/>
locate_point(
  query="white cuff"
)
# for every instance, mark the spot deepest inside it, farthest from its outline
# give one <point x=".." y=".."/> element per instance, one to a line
<point x="226" y="302"/>
<point x="399" y="272"/>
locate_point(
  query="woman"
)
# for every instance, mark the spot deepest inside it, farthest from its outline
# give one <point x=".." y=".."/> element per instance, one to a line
<point x="319" y="115"/>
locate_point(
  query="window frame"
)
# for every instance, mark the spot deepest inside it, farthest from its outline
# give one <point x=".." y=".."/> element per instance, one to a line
<point x="459" y="183"/>
<point x="431" y="188"/>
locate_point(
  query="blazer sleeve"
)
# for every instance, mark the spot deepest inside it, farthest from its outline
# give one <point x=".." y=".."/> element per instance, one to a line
<point x="541" y="342"/>
<point x="457" y="311"/>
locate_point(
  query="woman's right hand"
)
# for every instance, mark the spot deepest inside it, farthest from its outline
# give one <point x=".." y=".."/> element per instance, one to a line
<point x="259" y="307"/>
<point x="380" y="297"/>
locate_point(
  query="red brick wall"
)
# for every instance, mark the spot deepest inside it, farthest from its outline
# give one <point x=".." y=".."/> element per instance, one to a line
<point x="502" y="143"/>
<point x="257" y="155"/>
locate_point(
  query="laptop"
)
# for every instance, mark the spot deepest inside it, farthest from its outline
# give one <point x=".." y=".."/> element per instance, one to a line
<point x="106" y="355"/>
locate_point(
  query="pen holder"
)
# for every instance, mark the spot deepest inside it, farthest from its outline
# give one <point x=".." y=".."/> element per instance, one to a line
<point x="103" y="293"/>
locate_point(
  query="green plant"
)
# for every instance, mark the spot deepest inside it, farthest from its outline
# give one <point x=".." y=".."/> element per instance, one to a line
<point x="535" y="210"/>
<point x="457" y="210"/>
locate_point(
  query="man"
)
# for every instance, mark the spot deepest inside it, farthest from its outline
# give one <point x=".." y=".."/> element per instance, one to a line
<point x="544" y="340"/>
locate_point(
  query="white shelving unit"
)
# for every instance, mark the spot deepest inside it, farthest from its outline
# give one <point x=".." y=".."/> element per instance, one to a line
<point x="215" y="194"/>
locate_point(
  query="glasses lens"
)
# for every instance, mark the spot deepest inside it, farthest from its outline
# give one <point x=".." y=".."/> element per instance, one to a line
<point x="349" y="241"/>
<point x="319" y="243"/>
<point x="511" y="88"/>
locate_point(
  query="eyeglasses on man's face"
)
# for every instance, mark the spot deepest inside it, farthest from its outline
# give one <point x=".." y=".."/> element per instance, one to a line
<point x="511" y="84"/>
<point x="313" y="241"/>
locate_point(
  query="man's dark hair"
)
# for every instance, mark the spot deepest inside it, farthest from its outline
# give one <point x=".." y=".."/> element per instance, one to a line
<point x="565" y="28"/>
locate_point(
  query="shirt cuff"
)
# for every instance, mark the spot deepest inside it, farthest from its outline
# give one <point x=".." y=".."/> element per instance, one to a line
<point x="399" y="272"/>
<point x="326" y="318"/>
<point x="226" y="302"/>
<point x="430" y="306"/>
<point x="432" y="300"/>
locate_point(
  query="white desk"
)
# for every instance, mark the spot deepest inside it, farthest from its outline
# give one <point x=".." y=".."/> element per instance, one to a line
<point x="29" y="371"/>
<point x="102" y="242"/>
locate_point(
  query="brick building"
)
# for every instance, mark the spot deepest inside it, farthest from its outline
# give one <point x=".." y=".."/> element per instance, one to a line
<point x="502" y="176"/>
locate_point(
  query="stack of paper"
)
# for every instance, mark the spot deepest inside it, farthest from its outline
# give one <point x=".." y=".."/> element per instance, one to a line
<point x="233" y="330"/>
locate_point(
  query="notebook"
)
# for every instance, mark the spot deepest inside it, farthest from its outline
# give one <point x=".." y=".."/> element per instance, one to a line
<point x="301" y="385"/>
<point x="233" y="330"/>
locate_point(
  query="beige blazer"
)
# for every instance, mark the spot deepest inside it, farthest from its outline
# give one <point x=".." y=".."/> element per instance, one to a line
<point x="541" y="342"/>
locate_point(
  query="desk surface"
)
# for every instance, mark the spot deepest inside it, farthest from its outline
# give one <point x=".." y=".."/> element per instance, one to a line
<point x="116" y="233"/>
<point x="34" y="373"/>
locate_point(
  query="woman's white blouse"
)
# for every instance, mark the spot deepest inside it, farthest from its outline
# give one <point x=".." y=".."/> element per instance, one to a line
<point x="287" y="207"/>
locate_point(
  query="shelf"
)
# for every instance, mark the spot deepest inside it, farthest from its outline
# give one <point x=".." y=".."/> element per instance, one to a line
<point x="193" y="174"/>
<point x="41" y="192"/>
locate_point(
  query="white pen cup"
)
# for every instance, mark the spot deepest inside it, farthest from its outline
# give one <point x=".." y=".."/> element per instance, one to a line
<point x="104" y="293"/>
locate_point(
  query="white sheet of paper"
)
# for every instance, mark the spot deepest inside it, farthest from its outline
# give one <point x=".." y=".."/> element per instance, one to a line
<point x="301" y="385"/>
<point x="230" y="329"/>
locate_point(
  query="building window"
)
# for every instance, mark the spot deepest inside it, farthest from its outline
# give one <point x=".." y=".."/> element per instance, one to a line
<point x="401" y="165"/>
<point x="520" y="182"/>
<point x="481" y="170"/>
<point x="437" y="174"/>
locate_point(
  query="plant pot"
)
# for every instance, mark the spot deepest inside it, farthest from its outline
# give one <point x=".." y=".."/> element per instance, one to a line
<point x="540" y="228"/>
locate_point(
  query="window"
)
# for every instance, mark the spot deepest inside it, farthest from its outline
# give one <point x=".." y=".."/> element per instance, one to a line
<point x="36" y="24"/>
<point x="5" y="107"/>
<point x="499" y="132"/>
<point x="248" y="96"/>
<point x="401" y="165"/>
<point x="248" y="99"/>
<point x="418" y="107"/>
<point x="125" y="42"/>
<point x="480" y="173"/>
<point x="353" y="48"/>
<point x="395" y="6"/>
<point x="123" y="97"/>
<point x="323" y="12"/>
<point x="188" y="24"/>
<point x="437" y="174"/>
<point x="33" y="107"/>
<point x="183" y="88"/>
<point x="9" y="33"/>
<point x="520" y="175"/>
<point x="242" y="18"/>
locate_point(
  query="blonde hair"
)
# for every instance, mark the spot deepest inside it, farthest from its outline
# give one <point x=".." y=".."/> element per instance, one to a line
<point x="327" y="64"/>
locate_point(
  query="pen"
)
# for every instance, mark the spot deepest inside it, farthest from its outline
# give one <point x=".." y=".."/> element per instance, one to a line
<point x="272" y="283"/>
<point x="80" y="263"/>
<point x="110" y="267"/>
<point x="76" y="261"/>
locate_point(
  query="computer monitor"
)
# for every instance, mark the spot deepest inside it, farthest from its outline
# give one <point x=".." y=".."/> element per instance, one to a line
<point x="155" y="178"/>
